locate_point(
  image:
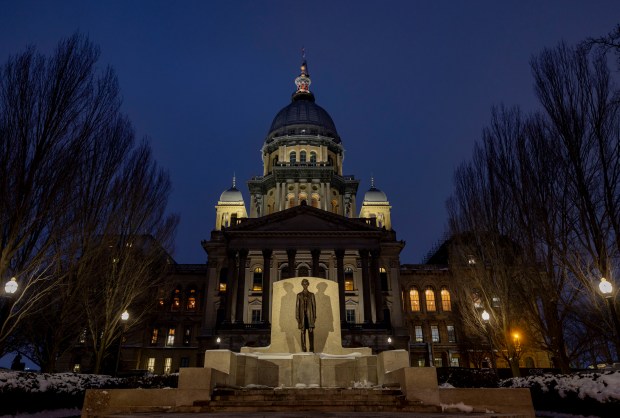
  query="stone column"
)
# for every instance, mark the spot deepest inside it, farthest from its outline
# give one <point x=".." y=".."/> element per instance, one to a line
<point x="241" y="288"/>
<point x="376" y="280"/>
<point x="366" y="286"/>
<point x="291" y="261"/>
<point x="230" y="285"/>
<point x="340" y="276"/>
<point x="316" y="255"/>
<point x="266" y="302"/>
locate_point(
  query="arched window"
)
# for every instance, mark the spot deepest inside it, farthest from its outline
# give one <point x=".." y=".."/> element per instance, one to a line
<point x="257" y="280"/>
<point x="302" y="157"/>
<point x="303" y="271"/>
<point x="429" y="295"/>
<point x="414" y="299"/>
<point x="445" y="300"/>
<point x="312" y="157"/>
<point x="293" y="157"/>
<point x="191" y="300"/>
<point x="303" y="197"/>
<point x="348" y="279"/>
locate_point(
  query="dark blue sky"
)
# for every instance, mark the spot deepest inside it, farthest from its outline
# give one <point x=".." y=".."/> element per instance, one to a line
<point x="409" y="85"/>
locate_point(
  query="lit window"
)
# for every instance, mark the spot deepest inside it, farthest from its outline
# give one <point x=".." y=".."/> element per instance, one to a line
<point x="451" y="334"/>
<point x="312" y="157"/>
<point x="170" y="339"/>
<point x="176" y="300"/>
<point x="454" y="362"/>
<point x="495" y="302"/>
<point x="256" y="316"/>
<point x="419" y="336"/>
<point x="76" y="368"/>
<point x="150" y="365"/>
<point x="223" y="280"/>
<point x="257" y="280"/>
<point x="435" y="333"/>
<point x="350" y="314"/>
<point x="414" y="299"/>
<point x="438" y="362"/>
<point x="429" y="294"/>
<point x="83" y="336"/>
<point x="167" y="365"/>
<point x="191" y="300"/>
<point x="293" y="157"/>
<point x="421" y="362"/>
<point x="154" y="335"/>
<point x="161" y="303"/>
<point x="187" y="337"/>
<point x="471" y="260"/>
<point x="348" y="279"/>
<point x="384" y="279"/>
<point x="302" y="157"/>
<point x="445" y="300"/>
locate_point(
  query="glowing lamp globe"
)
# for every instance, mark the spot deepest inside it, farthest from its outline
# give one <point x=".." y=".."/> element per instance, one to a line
<point x="605" y="287"/>
<point x="125" y="316"/>
<point x="485" y="315"/>
<point x="11" y="286"/>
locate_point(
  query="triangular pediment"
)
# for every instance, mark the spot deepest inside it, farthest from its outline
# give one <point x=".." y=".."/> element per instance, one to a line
<point x="303" y="219"/>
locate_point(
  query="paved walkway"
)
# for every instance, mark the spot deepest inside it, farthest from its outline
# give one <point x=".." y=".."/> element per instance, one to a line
<point x="309" y="414"/>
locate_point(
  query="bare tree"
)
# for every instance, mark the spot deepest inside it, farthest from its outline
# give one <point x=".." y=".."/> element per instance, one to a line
<point x="81" y="193"/>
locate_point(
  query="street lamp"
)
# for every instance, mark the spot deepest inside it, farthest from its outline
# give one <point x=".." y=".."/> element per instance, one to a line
<point x="606" y="289"/>
<point x="11" y="286"/>
<point x="485" y="318"/>
<point x="124" y="318"/>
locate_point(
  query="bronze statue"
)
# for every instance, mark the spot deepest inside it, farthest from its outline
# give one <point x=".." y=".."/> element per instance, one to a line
<point x="305" y="312"/>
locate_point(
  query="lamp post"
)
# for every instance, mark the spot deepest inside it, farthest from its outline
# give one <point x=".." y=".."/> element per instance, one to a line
<point x="485" y="319"/>
<point x="124" y="318"/>
<point x="606" y="289"/>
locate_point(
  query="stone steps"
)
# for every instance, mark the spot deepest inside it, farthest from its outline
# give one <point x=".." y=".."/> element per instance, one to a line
<point x="311" y="399"/>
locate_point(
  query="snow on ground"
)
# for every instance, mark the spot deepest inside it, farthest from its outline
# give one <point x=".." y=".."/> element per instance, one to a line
<point x="603" y="386"/>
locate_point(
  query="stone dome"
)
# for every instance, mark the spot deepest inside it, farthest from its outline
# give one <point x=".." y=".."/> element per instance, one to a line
<point x="232" y="195"/>
<point x="303" y="117"/>
<point x="374" y="195"/>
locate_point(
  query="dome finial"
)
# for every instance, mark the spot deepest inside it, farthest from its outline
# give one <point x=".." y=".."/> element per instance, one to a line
<point x="372" y="181"/>
<point x="234" y="180"/>
<point x="303" y="80"/>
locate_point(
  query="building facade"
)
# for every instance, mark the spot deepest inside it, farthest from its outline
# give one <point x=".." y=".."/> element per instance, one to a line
<point x="303" y="219"/>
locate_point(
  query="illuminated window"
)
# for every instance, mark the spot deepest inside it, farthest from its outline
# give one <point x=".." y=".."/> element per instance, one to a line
<point x="348" y="279"/>
<point x="414" y="299"/>
<point x="176" y="300"/>
<point x="154" y="335"/>
<point x="429" y="294"/>
<point x="445" y="300"/>
<point x="170" y="339"/>
<point x="257" y="280"/>
<point x="187" y="337"/>
<point x="293" y="157"/>
<point x="384" y="279"/>
<point x="76" y="368"/>
<point x="419" y="335"/>
<point x="223" y="280"/>
<point x="83" y="336"/>
<point x="150" y="365"/>
<point x="302" y="157"/>
<point x="167" y="365"/>
<point x="161" y="303"/>
<point x="454" y="361"/>
<point x="438" y="362"/>
<point x="495" y="302"/>
<point x="191" y="300"/>
<point x="312" y="157"/>
<point x="435" y="333"/>
<point x="451" y="334"/>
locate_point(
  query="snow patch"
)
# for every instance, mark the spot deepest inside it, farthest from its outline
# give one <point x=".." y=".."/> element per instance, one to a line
<point x="457" y="406"/>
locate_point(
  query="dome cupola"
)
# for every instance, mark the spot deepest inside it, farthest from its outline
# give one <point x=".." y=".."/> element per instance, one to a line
<point x="232" y="195"/>
<point x="374" y="195"/>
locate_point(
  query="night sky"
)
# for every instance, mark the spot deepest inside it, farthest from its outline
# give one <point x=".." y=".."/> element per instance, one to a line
<point x="409" y="85"/>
